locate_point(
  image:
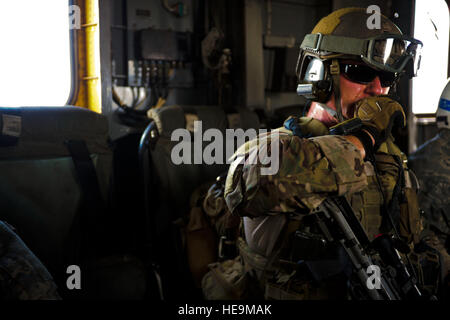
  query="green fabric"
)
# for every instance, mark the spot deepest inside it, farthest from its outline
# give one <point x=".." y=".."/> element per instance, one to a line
<point x="41" y="197"/>
<point x="336" y="44"/>
<point x="42" y="131"/>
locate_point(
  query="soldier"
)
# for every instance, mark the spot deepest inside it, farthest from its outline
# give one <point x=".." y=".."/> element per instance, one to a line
<point x="22" y="275"/>
<point x="347" y="70"/>
<point x="431" y="163"/>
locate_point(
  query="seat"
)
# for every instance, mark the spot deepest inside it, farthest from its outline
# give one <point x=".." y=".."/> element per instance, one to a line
<point x="43" y="182"/>
<point x="169" y="186"/>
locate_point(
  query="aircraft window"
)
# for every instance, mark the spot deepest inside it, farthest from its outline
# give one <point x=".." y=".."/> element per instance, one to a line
<point x="35" y="58"/>
<point x="431" y="25"/>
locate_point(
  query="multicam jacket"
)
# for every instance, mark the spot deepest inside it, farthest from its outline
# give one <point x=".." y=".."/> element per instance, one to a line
<point x="310" y="169"/>
<point x="431" y="163"/>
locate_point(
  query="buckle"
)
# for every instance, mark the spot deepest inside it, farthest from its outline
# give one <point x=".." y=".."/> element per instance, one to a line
<point x="221" y="241"/>
<point x="227" y="248"/>
<point x="308" y="38"/>
<point x="334" y="68"/>
<point x="319" y="41"/>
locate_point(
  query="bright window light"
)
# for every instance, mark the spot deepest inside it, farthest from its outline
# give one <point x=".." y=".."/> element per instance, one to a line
<point x="35" y="62"/>
<point x="431" y="26"/>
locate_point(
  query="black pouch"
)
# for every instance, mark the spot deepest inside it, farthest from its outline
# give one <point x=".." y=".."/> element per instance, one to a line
<point x="308" y="246"/>
<point x="427" y="263"/>
<point x="321" y="258"/>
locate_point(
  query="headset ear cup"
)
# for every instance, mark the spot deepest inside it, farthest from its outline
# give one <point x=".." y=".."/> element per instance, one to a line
<point x="324" y="89"/>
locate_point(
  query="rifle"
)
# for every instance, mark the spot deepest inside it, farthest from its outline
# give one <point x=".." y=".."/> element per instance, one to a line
<point x="338" y="223"/>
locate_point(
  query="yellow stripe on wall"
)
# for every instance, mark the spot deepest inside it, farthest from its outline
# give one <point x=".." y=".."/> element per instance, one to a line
<point x="89" y="94"/>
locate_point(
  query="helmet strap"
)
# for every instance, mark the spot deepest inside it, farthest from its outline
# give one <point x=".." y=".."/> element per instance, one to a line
<point x="335" y="72"/>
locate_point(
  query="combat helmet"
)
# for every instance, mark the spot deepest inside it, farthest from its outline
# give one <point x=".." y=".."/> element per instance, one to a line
<point x="347" y="34"/>
<point x="443" y="111"/>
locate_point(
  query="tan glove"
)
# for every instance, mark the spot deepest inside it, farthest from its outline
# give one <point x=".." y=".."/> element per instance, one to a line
<point x="378" y="115"/>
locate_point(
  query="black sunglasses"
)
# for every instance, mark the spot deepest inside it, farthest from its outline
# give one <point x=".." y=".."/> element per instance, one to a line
<point x="363" y="74"/>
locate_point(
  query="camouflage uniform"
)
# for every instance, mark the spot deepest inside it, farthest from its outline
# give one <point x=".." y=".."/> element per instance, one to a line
<point x="431" y="163"/>
<point x="310" y="170"/>
<point x="22" y="275"/>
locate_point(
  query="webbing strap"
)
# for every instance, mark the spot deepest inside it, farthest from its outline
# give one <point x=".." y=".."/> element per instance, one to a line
<point x="86" y="172"/>
<point x="92" y="202"/>
<point x="390" y="216"/>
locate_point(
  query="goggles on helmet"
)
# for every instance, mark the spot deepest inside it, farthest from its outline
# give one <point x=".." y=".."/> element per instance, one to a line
<point x="388" y="52"/>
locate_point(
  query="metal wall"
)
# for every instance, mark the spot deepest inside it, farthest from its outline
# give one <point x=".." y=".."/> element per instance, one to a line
<point x="120" y="21"/>
<point x="143" y="14"/>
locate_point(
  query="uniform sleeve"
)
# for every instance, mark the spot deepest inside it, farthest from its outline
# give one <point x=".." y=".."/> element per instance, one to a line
<point x="22" y="274"/>
<point x="308" y="171"/>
